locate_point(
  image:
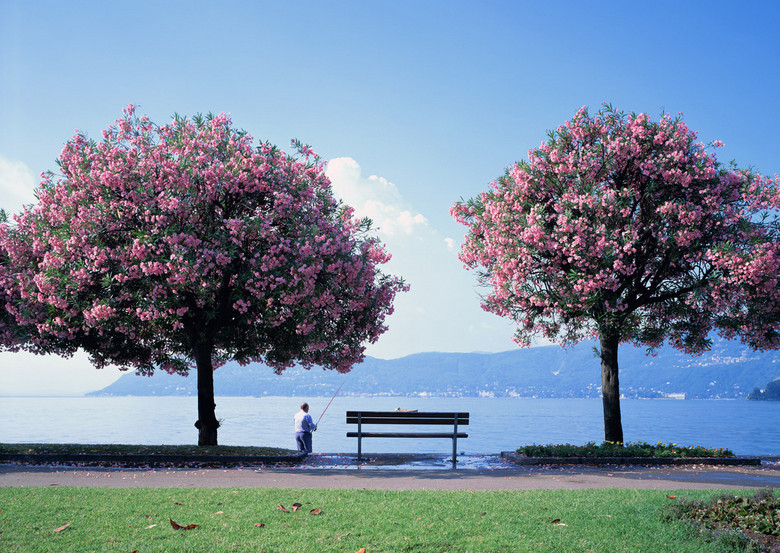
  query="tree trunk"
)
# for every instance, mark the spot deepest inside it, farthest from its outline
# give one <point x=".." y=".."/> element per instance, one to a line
<point x="610" y="388"/>
<point x="207" y="423"/>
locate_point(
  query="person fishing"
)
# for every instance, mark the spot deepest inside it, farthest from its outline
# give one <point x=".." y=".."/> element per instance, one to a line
<point x="304" y="426"/>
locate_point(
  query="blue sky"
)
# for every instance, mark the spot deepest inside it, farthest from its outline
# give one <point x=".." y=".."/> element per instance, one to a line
<point x="415" y="104"/>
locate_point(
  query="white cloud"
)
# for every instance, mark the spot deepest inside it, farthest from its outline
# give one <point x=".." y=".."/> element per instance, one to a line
<point x="442" y="310"/>
<point x="17" y="184"/>
<point x="373" y="197"/>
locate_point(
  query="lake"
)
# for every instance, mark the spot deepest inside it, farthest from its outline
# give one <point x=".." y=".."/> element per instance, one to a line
<point x="497" y="424"/>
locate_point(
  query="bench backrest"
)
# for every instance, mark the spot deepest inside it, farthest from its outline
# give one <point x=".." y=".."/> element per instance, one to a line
<point x="406" y="417"/>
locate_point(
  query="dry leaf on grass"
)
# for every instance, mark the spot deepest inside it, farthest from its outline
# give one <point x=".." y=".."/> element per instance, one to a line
<point x="61" y="528"/>
<point x="177" y="526"/>
<point x="259" y="524"/>
<point x="296" y="506"/>
<point x="150" y="526"/>
<point x="315" y="511"/>
<point x="282" y="508"/>
<point x="361" y="550"/>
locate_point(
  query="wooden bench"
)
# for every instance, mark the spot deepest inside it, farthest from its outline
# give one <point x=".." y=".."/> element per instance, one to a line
<point x="407" y="417"/>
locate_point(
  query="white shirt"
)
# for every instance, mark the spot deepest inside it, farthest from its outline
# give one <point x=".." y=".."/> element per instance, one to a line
<point x="303" y="422"/>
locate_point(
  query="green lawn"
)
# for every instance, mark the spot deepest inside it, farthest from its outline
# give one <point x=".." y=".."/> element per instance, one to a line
<point x="248" y="520"/>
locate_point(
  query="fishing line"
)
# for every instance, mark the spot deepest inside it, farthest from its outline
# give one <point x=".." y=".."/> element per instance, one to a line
<point x="331" y="401"/>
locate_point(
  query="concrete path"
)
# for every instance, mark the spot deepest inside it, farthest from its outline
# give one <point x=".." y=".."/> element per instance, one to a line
<point x="489" y="474"/>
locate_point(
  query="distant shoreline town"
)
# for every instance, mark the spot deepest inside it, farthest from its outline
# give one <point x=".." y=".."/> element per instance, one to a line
<point x="728" y="371"/>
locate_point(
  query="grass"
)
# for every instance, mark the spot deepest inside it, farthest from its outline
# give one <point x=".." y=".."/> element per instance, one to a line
<point x="249" y="520"/>
<point x="123" y="449"/>
<point x="611" y="449"/>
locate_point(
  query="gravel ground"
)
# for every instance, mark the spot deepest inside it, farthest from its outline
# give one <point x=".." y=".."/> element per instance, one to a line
<point x="403" y="472"/>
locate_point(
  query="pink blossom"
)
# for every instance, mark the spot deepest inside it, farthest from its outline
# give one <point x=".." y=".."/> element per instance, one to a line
<point x="159" y="241"/>
<point x="614" y="218"/>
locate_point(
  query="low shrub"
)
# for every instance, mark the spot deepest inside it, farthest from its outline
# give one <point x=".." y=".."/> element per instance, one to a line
<point x="751" y="523"/>
<point x="612" y="449"/>
<point x="125" y="449"/>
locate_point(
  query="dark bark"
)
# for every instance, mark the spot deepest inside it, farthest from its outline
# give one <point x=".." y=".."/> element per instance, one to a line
<point x="207" y="423"/>
<point x="610" y="388"/>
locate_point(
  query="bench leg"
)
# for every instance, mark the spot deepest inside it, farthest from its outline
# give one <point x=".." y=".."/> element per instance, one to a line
<point x="454" y="449"/>
<point x="360" y="435"/>
<point x="455" y="441"/>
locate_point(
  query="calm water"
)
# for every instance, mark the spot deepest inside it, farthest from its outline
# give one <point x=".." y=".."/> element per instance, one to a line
<point x="497" y="424"/>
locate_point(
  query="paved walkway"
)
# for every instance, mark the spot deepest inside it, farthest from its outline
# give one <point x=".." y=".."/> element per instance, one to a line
<point x="484" y="473"/>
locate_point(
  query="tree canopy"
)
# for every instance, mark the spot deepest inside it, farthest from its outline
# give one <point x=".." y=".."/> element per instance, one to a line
<point x="629" y="230"/>
<point x="184" y="245"/>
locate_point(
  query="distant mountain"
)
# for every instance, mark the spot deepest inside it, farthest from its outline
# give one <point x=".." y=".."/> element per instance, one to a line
<point x="770" y="393"/>
<point x="729" y="370"/>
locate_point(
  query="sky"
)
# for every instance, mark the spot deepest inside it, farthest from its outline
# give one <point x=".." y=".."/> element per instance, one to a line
<point x="415" y="105"/>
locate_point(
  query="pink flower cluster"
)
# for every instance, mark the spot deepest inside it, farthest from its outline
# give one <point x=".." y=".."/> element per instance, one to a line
<point x="618" y="223"/>
<point x="158" y="240"/>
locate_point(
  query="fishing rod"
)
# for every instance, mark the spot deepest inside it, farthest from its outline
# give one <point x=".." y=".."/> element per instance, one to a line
<point x="328" y="405"/>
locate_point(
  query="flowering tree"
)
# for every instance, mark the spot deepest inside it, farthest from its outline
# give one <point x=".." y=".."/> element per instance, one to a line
<point x="183" y="245"/>
<point x="10" y="338"/>
<point x="628" y="230"/>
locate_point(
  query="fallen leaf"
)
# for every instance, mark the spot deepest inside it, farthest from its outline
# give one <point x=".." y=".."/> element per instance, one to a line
<point x="177" y="503"/>
<point x="556" y="520"/>
<point x="177" y="526"/>
<point x="672" y="496"/>
<point x="482" y="514"/>
<point x="150" y="526"/>
<point x="281" y="508"/>
<point x="361" y="550"/>
<point x="296" y="506"/>
<point x="220" y="513"/>
<point x="259" y="524"/>
<point x="315" y="511"/>
<point x="561" y="524"/>
<point x="61" y="528"/>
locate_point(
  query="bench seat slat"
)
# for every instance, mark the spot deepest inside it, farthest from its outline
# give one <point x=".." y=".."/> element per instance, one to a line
<point x="404" y="435"/>
<point x="402" y="414"/>
<point x="408" y="420"/>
